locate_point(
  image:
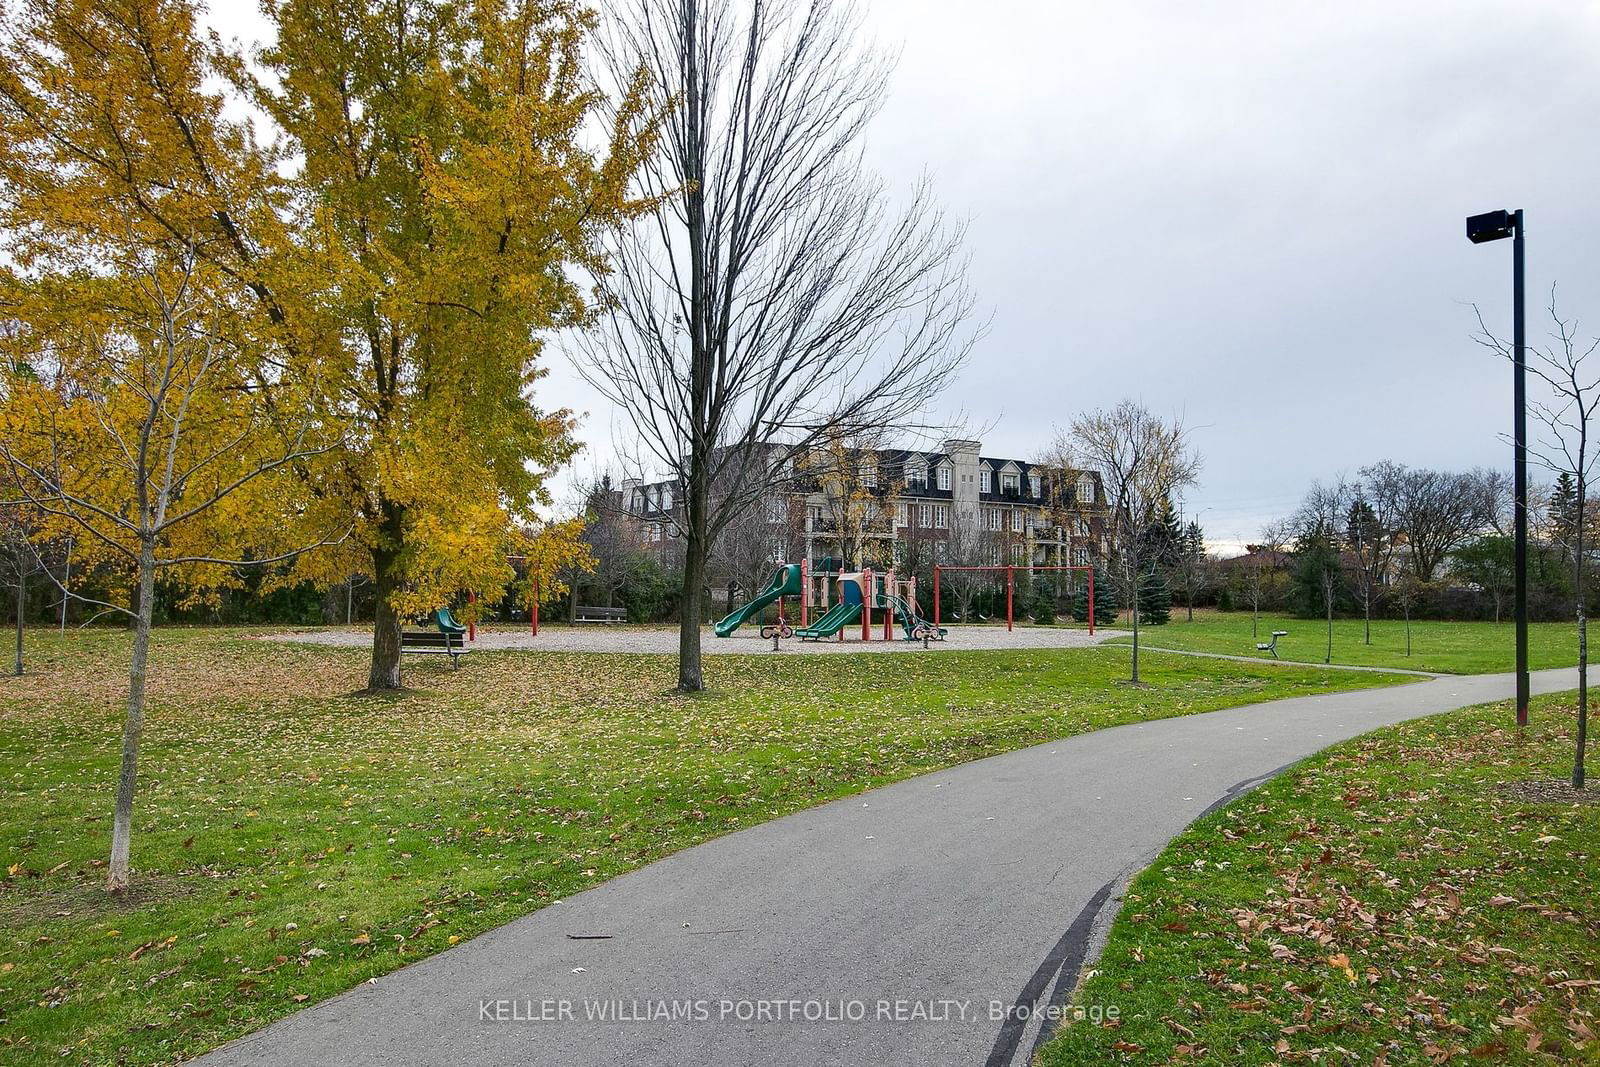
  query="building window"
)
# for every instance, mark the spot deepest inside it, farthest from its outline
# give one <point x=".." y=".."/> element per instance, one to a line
<point x="994" y="555"/>
<point x="902" y="512"/>
<point x="939" y="519"/>
<point x="1016" y="552"/>
<point x="777" y="509"/>
<point x="869" y="474"/>
<point x="1033" y="486"/>
<point x="924" y="515"/>
<point x="994" y="518"/>
<point x="655" y="531"/>
<point x="814" y="516"/>
<point x="939" y="550"/>
<point x="1080" y="556"/>
<point x="983" y="480"/>
<point x="1086" y="490"/>
<point x="1016" y="520"/>
<point x="1008" y="483"/>
<point x="944" y="477"/>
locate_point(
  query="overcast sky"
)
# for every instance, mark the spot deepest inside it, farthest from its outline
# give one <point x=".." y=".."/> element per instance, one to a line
<point x="1246" y="212"/>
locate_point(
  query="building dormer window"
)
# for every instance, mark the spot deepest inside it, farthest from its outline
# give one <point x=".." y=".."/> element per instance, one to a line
<point x="984" y="481"/>
<point x="917" y="477"/>
<point x="1033" y="485"/>
<point x="1009" y="483"/>
<point x="944" y="477"/>
<point x="1086" y="490"/>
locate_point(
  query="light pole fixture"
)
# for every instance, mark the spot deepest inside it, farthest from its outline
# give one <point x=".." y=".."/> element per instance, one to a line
<point x="1493" y="226"/>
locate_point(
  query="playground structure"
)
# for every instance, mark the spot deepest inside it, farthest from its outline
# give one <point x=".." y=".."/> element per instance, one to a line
<point x="860" y="594"/>
<point x="1011" y="581"/>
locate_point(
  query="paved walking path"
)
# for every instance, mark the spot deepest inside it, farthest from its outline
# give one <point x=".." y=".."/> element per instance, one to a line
<point x="928" y="907"/>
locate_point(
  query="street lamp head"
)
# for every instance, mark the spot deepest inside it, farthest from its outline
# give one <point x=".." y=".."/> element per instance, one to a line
<point x="1490" y="226"/>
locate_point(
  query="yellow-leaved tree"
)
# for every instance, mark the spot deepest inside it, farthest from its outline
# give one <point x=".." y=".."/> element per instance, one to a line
<point x="428" y="210"/>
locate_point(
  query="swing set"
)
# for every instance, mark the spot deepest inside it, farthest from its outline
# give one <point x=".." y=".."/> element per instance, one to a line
<point x="1011" y="579"/>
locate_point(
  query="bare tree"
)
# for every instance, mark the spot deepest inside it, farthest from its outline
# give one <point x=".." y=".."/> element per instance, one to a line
<point x="754" y="543"/>
<point x="19" y="561"/>
<point x="967" y="544"/>
<point x="775" y="296"/>
<point x="1263" y="570"/>
<point x="1142" y="460"/>
<point x="1318" y="527"/>
<point x="1370" y="532"/>
<point x="1437" y="510"/>
<point x="1574" y="398"/>
<point x="1194" y="568"/>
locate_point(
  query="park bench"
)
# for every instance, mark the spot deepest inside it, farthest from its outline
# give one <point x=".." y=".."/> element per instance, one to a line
<point x="1272" y="646"/>
<point x="428" y="642"/>
<point x="602" y="615"/>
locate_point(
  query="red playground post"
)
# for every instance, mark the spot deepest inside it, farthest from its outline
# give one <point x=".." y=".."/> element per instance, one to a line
<point x="805" y="591"/>
<point x="472" y="625"/>
<point x="533" y="616"/>
<point x="866" y="604"/>
<point x="1011" y="575"/>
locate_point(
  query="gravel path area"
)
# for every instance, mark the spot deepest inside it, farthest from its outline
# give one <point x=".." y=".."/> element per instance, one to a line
<point x="598" y="638"/>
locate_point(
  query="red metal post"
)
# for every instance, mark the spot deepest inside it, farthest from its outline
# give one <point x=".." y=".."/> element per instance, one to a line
<point x="866" y="604"/>
<point x="805" y="590"/>
<point x="1010" y="578"/>
<point x="472" y="625"/>
<point x="936" y="596"/>
<point x="535" y="615"/>
<point x="1091" y="601"/>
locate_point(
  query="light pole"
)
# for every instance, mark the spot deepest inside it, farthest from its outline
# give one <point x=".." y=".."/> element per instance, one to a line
<point x="1493" y="226"/>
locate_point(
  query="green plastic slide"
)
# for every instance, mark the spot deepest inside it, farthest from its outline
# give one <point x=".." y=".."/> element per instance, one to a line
<point x="910" y="621"/>
<point x="446" y="621"/>
<point x="837" y="618"/>
<point x="785" y="582"/>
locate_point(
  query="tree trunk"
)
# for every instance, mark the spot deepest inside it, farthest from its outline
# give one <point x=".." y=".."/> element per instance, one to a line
<point x="690" y="679"/>
<point x="22" y="599"/>
<point x="385" y="671"/>
<point x="1583" y="698"/>
<point x="117" y="876"/>
<point x="1327" y="599"/>
<point x="1137" y="587"/>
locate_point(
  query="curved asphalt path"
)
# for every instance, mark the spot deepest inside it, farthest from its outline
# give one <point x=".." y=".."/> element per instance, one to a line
<point x="958" y="895"/>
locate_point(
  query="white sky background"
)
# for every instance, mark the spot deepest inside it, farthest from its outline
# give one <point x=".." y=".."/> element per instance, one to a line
<point x="1246" y="212"/>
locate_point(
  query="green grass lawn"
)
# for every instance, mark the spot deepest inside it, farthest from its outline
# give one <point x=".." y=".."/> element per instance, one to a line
<point x="1446" y="647"/>
<point x="1405" y="898"/>
<point x="293" y="839"/>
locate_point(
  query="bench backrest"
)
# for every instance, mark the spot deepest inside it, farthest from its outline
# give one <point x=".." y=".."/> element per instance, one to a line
<point x="431" y="639"/>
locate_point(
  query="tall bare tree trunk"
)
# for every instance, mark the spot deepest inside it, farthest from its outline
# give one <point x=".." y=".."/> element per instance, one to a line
<point x="117" y="876"/>
<point x="1583" y="635"/>
<point x="1327" y="600"/>
<point x="690" y="679"/>
<point x="22" y="599"/>
<point x="1138" y="584"/>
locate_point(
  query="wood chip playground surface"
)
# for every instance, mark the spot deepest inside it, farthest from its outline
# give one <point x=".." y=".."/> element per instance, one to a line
<point x="746" y="640"/>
